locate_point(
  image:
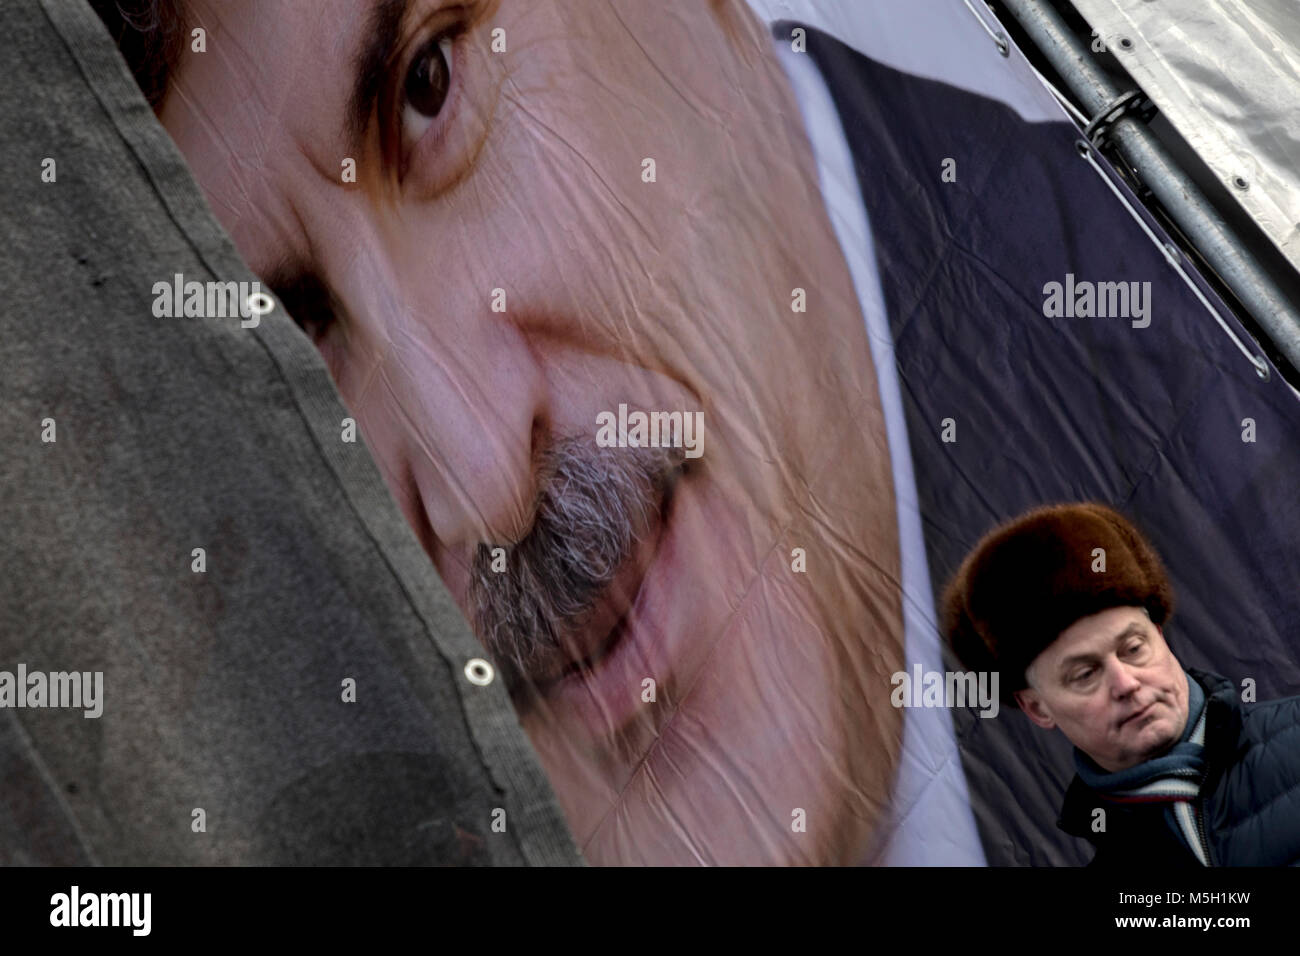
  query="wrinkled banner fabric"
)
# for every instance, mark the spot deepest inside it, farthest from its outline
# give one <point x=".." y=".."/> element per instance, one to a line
<point x="630" y="387"/>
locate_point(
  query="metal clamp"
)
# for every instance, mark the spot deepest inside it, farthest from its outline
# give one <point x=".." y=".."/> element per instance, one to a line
<point x="1134" y="102"/>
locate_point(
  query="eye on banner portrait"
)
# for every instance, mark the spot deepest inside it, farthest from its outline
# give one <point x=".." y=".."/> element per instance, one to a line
<point x="697" y="350"/>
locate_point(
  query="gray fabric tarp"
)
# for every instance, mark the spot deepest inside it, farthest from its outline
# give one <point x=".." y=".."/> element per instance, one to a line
<point x="222" y="690"/>
<point x="1226" y="73"/>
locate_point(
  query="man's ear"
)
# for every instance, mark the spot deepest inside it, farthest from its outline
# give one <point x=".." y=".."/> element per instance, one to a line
<point x="1033" y="708"/>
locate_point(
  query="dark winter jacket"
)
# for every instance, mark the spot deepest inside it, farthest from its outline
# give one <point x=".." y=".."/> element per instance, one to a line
<point x="1248" y="811"/>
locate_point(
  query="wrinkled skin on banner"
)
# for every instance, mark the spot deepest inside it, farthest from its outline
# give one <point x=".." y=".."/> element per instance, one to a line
<point x="615" y="205"/>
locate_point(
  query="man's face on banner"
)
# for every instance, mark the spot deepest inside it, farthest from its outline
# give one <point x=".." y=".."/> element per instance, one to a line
<point x="1112" y="685"/>
<point x="596" y="204"/>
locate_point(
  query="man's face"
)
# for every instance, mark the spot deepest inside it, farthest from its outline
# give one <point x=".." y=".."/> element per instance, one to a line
<point x="501" y="271"/>
<point x="1112" y="685"/>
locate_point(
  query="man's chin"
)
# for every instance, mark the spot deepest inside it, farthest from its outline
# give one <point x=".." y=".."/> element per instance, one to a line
<point x="712" y="632"/>
<point x="1155" y="740"/>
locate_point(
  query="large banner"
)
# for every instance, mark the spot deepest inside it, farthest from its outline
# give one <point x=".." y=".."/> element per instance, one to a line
<point x="695" y="351"/>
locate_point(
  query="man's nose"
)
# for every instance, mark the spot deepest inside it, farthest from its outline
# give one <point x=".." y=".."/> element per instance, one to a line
<point x="1123" y="682"/>
<point x="483" y="397"/>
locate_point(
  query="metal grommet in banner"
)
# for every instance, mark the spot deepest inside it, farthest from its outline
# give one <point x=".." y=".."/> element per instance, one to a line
<point x="479" y="671"/>
<point x="999" y="38"/>
<point x="259" y="303"/>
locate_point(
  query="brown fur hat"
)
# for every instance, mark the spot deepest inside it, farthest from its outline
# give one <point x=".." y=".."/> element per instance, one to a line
<point x="1031" y="578"/>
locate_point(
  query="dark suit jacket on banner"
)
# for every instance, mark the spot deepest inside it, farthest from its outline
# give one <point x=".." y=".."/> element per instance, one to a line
<point x="1048" y="409"/>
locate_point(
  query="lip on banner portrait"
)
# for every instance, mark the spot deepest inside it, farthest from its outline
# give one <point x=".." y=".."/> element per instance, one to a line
<point x="545" y="432"/>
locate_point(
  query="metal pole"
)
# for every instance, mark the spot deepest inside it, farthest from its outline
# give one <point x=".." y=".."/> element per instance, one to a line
<point x="1181" y="198"/>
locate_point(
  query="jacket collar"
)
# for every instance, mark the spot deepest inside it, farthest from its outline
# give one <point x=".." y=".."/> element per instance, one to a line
<point x="1223" y="721"/>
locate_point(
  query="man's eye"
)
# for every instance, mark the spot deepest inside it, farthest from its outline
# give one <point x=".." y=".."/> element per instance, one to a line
<point x="427" y="82"/>
<point x="1136" y="649"/>
<point x="1081" y="675"/>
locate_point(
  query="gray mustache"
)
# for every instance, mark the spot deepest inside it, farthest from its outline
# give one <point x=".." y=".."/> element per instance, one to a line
<point x="593" y="505"/>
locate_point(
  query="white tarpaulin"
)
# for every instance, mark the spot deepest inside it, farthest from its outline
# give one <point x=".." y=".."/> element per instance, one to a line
<point x="1226" y="73"/>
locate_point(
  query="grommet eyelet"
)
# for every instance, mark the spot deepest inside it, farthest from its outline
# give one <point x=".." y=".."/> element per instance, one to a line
<point x="479" y="671"/>
<point x="259" y="303"/>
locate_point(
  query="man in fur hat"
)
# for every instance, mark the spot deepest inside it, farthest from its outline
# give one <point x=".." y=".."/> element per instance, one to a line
<point x="1069" y="604"/>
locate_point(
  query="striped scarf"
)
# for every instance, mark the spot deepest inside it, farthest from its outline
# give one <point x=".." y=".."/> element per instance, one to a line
<point x="1173" y="778"/>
